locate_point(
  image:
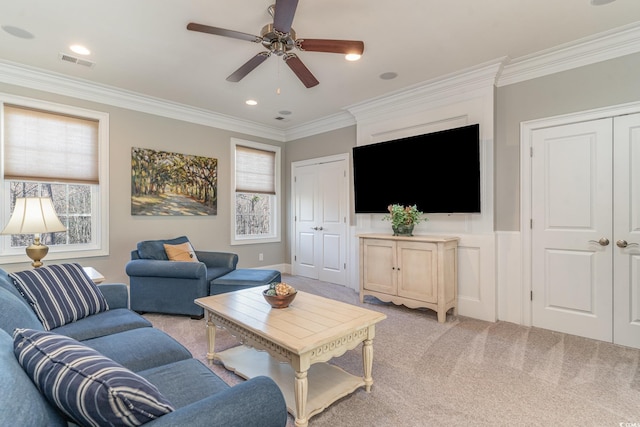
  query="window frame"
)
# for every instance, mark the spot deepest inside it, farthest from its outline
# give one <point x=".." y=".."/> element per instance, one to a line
<point x="276" y="234"/>
<point x="100" y="192"/>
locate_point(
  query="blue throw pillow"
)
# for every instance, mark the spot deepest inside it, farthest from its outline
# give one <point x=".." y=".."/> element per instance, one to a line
<point x="59" y="294"/>
<point x="90" y="388"/>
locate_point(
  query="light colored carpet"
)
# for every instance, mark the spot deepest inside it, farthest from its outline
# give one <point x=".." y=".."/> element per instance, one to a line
<point x="464" y="372"/>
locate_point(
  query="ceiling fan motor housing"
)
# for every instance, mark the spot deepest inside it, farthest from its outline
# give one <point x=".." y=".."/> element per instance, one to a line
<point x="277" y="42"/>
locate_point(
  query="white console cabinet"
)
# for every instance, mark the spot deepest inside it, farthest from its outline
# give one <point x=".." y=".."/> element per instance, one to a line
<point x="415" y="271"/>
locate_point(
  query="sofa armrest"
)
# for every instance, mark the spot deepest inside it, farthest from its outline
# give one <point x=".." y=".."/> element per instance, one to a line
<point x="116" y="294"/>
<point x="218" y="259"/>
<point x="158" y="268"/>
<point x="254" y="403"/>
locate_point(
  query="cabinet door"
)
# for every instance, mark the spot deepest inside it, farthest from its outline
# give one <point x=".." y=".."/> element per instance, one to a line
<point x="380" y="266"/>
<point x="418" y="271"/>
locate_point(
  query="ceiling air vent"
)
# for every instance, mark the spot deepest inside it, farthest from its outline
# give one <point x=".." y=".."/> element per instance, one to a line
<point x="75" y="60"/>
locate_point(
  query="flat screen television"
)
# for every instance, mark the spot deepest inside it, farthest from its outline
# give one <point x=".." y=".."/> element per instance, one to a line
<point x="439" y="172"/>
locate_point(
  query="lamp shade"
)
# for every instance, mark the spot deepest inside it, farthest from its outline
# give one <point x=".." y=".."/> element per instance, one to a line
<point x="33" y="215"/>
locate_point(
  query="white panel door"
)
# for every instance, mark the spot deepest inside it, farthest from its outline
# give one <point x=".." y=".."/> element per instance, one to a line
<point x="307" y="242"/>
<point x="320" y="220"/>
<point x="626" y="244"/>
<point x="572" y="272"/>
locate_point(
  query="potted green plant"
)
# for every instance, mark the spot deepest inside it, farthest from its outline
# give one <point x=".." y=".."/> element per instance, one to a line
<point x="403" y="219"/>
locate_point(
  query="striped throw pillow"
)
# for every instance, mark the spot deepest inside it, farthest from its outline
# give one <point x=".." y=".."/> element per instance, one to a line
<point x="88" y="387"/>
<point x="59" y="294"/>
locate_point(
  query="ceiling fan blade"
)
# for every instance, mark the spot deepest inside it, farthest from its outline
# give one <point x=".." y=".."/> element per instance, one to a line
<point x="248" y="67"/>
<point x="331" y="46"/>
<point x="192" y="26"/>
<point x="283" y="15"/>
<point x="300" y="70"/>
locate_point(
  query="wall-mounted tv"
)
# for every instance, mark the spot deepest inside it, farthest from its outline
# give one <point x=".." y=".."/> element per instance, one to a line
<point x="439" y="172"/>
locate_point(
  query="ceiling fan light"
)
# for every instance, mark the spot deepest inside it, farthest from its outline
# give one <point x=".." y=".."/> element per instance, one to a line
<point x="352" y="56"/>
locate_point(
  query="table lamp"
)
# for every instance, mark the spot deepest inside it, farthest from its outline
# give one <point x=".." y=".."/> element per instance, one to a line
<point x="34" y="215"/>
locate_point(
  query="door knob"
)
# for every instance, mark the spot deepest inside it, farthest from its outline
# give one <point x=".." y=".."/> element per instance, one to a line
<point x="602" y="242"/>
<point x="624" y="244"/>
<point x="314" y="228"/>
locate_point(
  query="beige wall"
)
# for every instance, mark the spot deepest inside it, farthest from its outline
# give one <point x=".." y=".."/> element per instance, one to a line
<point x="599" y="85"/>
<point x="134" y="129"/>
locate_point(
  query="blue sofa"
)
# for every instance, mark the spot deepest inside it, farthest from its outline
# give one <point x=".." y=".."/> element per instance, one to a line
<point x="159" y="285"/>
<point x="198" y="396"/>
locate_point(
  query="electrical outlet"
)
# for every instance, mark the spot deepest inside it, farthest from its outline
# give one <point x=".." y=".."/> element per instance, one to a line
<point x="260" y="257"/>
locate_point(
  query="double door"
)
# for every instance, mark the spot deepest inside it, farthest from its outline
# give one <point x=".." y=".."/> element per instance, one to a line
<point x="586" y="229"/>
<point x="320" y="190"/>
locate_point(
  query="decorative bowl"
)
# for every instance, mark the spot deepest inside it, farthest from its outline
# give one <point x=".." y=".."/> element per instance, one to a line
<point x="279" y="301"/>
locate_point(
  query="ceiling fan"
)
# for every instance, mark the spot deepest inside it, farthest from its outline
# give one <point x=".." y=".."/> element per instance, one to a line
<point x="279" y="38"/>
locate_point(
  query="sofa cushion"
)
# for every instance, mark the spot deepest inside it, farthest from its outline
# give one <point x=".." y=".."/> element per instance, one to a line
<point x="194" y="381"/>
<point x="59" y="294"/>
<point x="154" y="249"/>
<point x="106" y="323"/>
<point x="140" y="349"/>
<point x="182" y="252"/>
<point x="87" y="386"/>
<point x="21" y="402"/>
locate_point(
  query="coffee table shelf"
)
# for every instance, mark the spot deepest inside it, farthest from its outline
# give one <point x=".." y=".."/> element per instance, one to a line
<point x="327" y="383"/>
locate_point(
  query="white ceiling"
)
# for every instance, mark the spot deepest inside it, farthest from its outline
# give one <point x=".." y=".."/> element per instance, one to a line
<point x="143" y="46"/>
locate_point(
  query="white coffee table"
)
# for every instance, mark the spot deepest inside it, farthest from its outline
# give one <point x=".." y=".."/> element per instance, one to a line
<point x="294" y="344"/>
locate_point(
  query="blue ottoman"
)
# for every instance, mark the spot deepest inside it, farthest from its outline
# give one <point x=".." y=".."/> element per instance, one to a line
<point x="243" y="278"/>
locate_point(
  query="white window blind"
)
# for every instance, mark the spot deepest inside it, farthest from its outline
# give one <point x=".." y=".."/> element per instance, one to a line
<point x="255" y="170"/>
<point x="43" y="146"/>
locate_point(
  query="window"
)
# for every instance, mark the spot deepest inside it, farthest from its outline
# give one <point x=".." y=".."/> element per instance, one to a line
<point x="52" y="150"/>
<point x="255" y="186"/>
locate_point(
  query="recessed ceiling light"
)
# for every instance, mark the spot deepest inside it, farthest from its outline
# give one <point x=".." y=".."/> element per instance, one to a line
<point x="388" y="75"/>
<point x="601" y="2"/>
<point x="251" y="102"/>
<point x="284" y="112"/>
<point x="352" y="57"/>
<point x="17" y="32"/>
<point x="79" y="49"/>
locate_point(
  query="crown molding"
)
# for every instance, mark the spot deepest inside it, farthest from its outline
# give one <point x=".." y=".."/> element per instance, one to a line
<point x="589" y="50"/>
<point x="33" y="78"/>
<point x="479" y="77"/>
<point x="324" y="124"/>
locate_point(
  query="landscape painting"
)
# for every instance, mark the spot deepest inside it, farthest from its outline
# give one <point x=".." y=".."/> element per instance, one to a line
<point x="164" y="183"/>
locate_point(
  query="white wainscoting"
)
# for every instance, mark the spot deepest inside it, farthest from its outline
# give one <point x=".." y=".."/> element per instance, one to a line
<point x="477" y="276"/>
<point x="511" y="298"/>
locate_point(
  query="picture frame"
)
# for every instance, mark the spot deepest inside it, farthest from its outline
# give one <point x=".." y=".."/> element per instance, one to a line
<point x="173" y="184"/>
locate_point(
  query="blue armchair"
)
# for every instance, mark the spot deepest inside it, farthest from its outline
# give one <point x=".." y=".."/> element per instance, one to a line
<point x="162" y="286"/>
